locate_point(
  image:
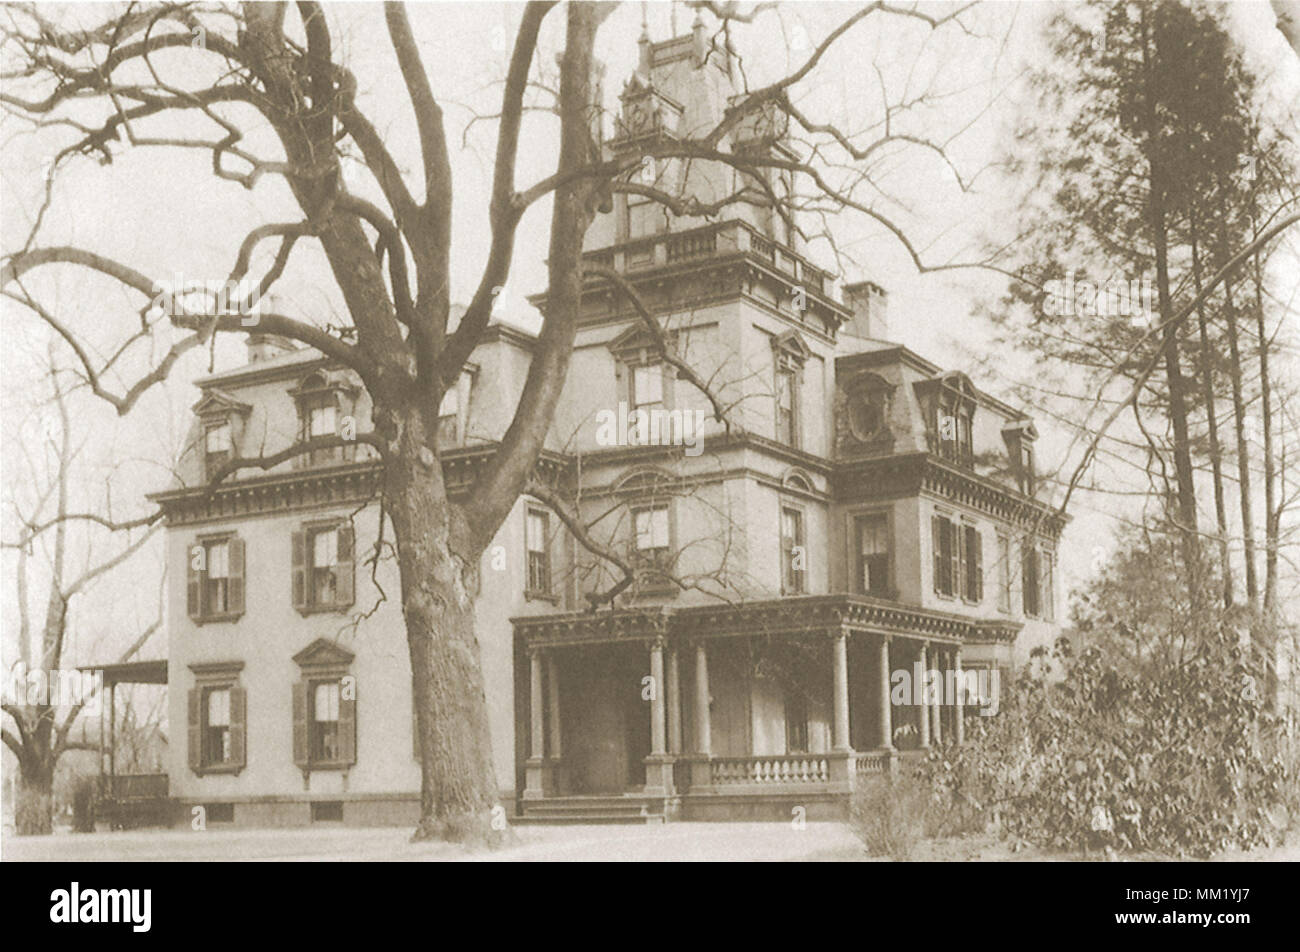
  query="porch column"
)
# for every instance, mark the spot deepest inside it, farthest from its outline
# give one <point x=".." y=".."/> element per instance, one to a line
<point x="112" y="732"/>
<point x="923" y="710"/>
<point x="658" y="727"/>
<point x="840" y="727"/>
<point x="701" y="766"/>
<point x="673" y="685"/>
<point x="840" y="763"/>
<point x="703" y="729"/>
<point x="553" y="706"/>
<point x="960" y="727"/>
<point x="936" y="727"/>
<point x="536" y="698"/>
<point x="538" y="777"/>
<point x="658" y="766"/>
<point x="886" y="711"/>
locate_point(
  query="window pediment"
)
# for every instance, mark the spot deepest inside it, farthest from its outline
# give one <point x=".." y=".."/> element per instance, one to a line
<point x="216" y="403"/>
<point x="790" y="349"/>
<point x="323" y="653"/>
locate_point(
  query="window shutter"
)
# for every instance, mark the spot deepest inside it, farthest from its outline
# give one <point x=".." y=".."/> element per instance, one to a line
<point x="196" y="729"/>
<point x="238" y="727"/>
<point x="300" y="570"/>
<point x="348" y="725"/>
<point x="978" y="552"/>
<point x="936" y="534"/>
<point x="344" y="592"/>
<point x="300" y="724"/>
<point x="236" y="583"/>
<point x="193" y="586"/>
<point x="957" y="557"/>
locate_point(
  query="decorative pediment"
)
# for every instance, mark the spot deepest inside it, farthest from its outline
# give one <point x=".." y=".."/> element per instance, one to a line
<point x="791" y="347"/>
<point x="323" y="653"/>
<point x="636" y="345"/>
<point x="216" y="403"/>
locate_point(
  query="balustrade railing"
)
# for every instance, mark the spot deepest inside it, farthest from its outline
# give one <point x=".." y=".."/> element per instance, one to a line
<point x="774" y="770"/>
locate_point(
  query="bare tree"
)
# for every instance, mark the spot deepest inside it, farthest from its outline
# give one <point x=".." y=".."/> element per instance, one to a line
<point x="278" y="67"/>
<point x="39" y="737"/>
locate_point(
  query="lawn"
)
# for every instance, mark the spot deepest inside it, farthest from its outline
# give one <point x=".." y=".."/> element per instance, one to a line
<point x="677" y="842"/>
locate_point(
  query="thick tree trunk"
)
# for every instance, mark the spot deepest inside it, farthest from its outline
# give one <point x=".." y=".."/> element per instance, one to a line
<point x="34" y="809"/>
<point x="458" y="786"/>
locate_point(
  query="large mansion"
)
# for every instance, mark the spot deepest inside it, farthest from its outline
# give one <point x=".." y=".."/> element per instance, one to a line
<point x="862" y="512"/>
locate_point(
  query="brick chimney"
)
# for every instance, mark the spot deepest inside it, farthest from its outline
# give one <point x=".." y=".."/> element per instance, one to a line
<point x="868" y="301"/>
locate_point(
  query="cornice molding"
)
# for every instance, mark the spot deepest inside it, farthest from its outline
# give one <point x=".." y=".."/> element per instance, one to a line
<point x="822" y="615"/>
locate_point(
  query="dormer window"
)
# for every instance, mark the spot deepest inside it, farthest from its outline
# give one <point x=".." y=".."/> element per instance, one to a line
<point x="1019" y="437"/>
<point x="221" y="421"/>
<point x="952" y="417"/>
<point x="218" y="446"/>
<point x="323" y="403"/>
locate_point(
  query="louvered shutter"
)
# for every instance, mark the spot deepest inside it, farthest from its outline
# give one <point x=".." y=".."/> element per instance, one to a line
<point x="348" y="723"/>
<point x="238" y="727"/>
<point x="345" y="590"/>
<point x="193" y="585"/>
<point x="299" y="570"/>
<point x="196" y="729"/>
<point x="978" y="552"/>
<point x="936" y="535"/>
<point x="237" y="574"/>
<point x="300" y="750"/>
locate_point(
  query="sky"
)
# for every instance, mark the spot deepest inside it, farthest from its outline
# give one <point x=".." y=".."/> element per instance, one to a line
<point x="167" y="216"/>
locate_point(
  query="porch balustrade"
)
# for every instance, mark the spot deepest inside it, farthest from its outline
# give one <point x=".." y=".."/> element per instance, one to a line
<point x="769" y="771"/>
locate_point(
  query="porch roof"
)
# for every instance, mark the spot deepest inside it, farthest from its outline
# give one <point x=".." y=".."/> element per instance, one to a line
<point x="777" y="616"/>
<point x="130" y="672"/>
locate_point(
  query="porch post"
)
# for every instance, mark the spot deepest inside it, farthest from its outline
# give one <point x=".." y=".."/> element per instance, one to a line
<point x="923" y="710"/>
<point x="936" y="729"/>
<point x="959" y="727"/>
<point x="554" y="746"/>
<point x="112" y="733"/>
<point x="673" y="685"/>
<point x="537" y="774"/>
<point x="658" y="726"/>
<point x="658" y="766"/>
<point x="840" y="727"/>
<point x="841" y="764"/>
<point x="701" y="766"/>
<point x="703" y="729"/>
<point x="886" y="712"/>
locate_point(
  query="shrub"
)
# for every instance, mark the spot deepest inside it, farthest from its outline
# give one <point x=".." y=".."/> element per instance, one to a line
<point x="891" y="814"/>
<point x="1180" y="759"/>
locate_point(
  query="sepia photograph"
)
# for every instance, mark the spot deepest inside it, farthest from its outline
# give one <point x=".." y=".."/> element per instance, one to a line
<point x="650" y="432"/>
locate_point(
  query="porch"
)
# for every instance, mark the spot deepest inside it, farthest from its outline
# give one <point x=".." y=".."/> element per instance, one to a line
<point x="730" y="711"/>
<point x="128" y="799"/>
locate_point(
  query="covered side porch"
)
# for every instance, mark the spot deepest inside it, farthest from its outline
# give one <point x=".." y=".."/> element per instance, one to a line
<point x="735" y="710"/>
<point x="127" y="799"/>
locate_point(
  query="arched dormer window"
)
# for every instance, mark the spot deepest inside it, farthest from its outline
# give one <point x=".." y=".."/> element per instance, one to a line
<point x="326" y="403"/>
<point x="952" y="417"/>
